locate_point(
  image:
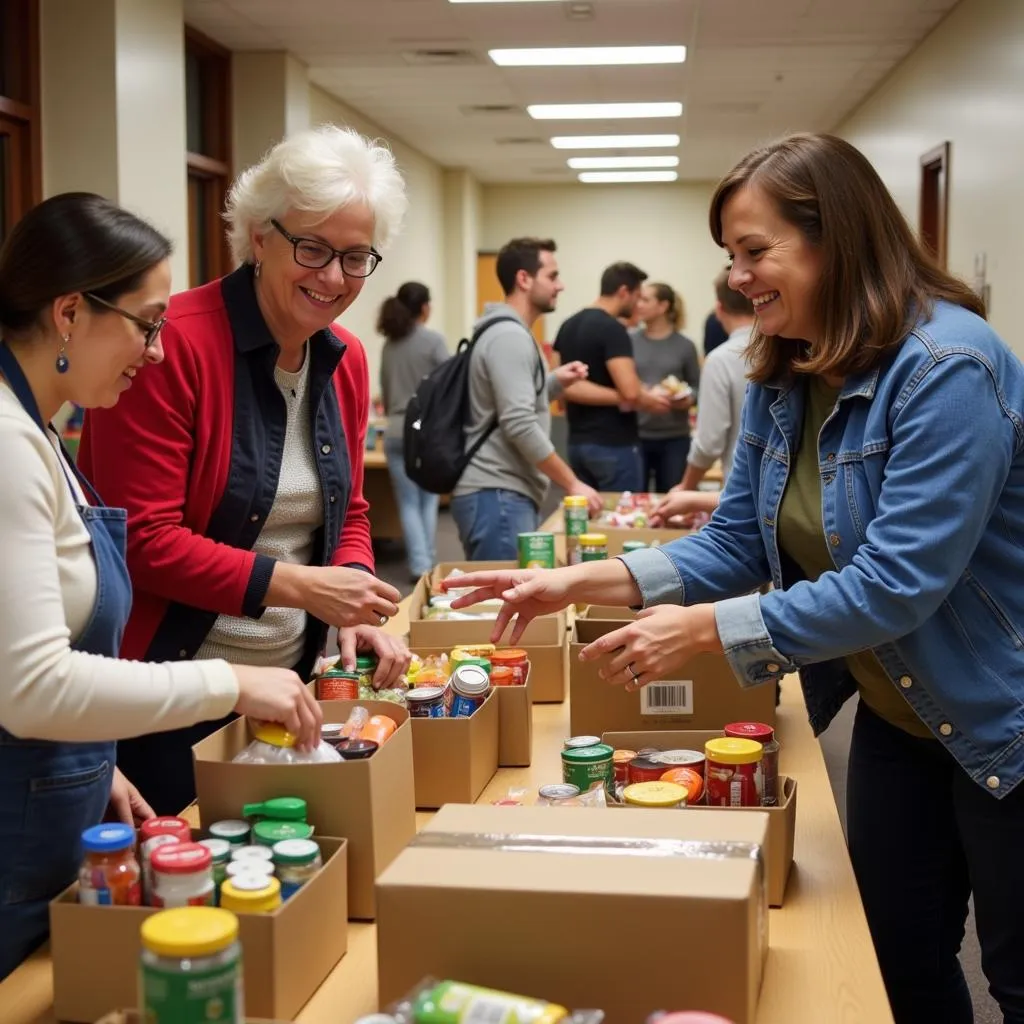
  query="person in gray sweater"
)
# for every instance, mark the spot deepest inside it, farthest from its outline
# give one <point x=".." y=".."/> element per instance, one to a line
<point x="412" y="350"/>
<point x="500" y="493"/>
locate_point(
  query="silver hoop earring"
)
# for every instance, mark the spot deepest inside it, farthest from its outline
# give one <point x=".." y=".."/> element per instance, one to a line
<point x="259" y="267"/>
<point x="62" y="359"/>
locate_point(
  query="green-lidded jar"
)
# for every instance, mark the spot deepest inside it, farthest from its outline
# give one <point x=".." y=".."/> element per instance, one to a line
<point x="536" y="551"/>
<point x="220" y="849"/>
<point x="577" y="519"/>
<point x="235" y="831"/>
<point x="190" y="968"/>
<point x="593" y="547"/>
<point x="366" y="666"/>
<point x="460" y="658"/>
<point x="633" y="545"/>
<point x="585" y="766"/>
<point x="296" y="862"/>
<point x="266" y="833"/>
<point x="280" y="808"/>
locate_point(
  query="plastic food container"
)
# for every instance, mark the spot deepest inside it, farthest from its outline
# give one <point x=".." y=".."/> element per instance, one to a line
<point x="267" y="833"/>
<point x="470" y="685"/>
<point x="690" y="780"/>
<point x="182" y="876"/>
<point x="220" y="850"/>
<point x="296" y="862"/>
<point x="252" y="893"/>
<point x="513" y="658"/>
<point x="593" y="547"/>
<point x="654" y="794"/>
<point x="110" y="874"/>
<point x="248" y="854"/>
<point x="235" y="831"/>
<point x="733" y="772"/>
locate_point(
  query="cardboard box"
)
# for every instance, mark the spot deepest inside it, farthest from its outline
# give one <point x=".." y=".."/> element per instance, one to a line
<point x="286" y="955"/>
<point x="543" y="916"/>
<point x="778" y="854"/>
<point x="619" y="535"/>
<point x="546" y="629"/>
<point x="369" y="802"/>
<point x="455" y="758"/>
<point x="702" y="694"/>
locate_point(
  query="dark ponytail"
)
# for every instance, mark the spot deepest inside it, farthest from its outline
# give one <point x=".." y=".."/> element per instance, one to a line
<point x="69" y="243"/>
<point x="398" y="314"/>
<point x="676" y="313"/>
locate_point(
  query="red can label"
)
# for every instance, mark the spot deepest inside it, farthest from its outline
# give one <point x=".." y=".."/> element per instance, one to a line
<point x="337" y="688"/>
<point x="732" y="785"/>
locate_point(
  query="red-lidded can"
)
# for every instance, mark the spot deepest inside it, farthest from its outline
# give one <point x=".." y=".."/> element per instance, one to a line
<point x="644" y="769"/>
<point x="620" y="761"/>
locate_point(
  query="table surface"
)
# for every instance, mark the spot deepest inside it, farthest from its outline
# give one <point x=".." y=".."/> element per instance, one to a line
<point x="821" y="963"/>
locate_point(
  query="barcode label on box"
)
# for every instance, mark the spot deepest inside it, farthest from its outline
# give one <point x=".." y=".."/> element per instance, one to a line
<point x="667" y="698"/>
<point x="486" y="1011"/>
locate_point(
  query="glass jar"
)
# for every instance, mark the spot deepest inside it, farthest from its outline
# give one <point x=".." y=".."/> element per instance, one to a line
<point x="576" y="519"/>
<point x="765" y="735"/>
<point x="250" y="867"/>
<point x="110" y="874"/>
<point x="220" y="851"/>
<point x="248" y="854"/>
<point x="182" y="876"/>
<point x="366" y="666"/>
<point x="251" y="893"/>
<point x="266" y="833"/>
<point x="190" y="968"/>
<point x="235" y="831"/>
<point x="296" y="861"/>
<point x="593" y="547"/>
<point x="733" y="767"/>
<point x="633" y="545"/>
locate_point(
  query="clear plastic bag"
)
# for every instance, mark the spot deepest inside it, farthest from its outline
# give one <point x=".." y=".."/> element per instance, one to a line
<point x="273" y="744"/>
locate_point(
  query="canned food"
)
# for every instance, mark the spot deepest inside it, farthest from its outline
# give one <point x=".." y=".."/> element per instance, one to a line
<point x="681" y="759"/>
<point x="732" y="772"/>
<point x="576" y="742"/>
<point x="586" y="766"/>
<point x="593" y="547"/>
<point x="765" y="735"/>
<point x="366" y="667"/>
<point x="512" y="658"/>
<point x="644" y="769"/>
<point x="654" y="794"/>
<point x="503" y="676"/>
<point x="557" y="792"/>
<point x="621" y="759"/>
<point x="633" y="545"/>
<point x="427" y="702"/>
<point x="470" y="686"/>
<point x="690" y="780"/>
<point x="460" y="658"/>
<point x="536" y="551"/>
<point x="338" y="686"/>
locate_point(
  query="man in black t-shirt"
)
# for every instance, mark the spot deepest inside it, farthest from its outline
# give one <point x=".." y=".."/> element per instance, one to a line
<point x="604" y="442"/>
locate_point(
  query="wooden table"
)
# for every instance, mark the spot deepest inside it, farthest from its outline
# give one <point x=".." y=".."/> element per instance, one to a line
<point x="821" y="963"/>
<point x="385" y="523"/>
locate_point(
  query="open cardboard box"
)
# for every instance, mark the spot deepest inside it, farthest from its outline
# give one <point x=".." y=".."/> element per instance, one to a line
<point x="503" y="897"/>
<point x="455" y="758"/>
<point x="781" y="818"/>
<point x="371" y="803"/>
<point x="703" y="693"/>
<point x="423" y="632"/>
<point x="286" y="955"/>
<point x="515" y="717"/>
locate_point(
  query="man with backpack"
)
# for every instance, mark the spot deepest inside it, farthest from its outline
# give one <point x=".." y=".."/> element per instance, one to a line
<point x="499" y="493"/>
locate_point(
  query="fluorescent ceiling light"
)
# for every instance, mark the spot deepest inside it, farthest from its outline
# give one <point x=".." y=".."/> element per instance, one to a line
<point x="620" y="163"/>
<point x="585" y="56"/>
<point x="581" y="111"/>
<point x="622" y="177"/>
<point x="615" y="141"/>
<point x="498" y="1"/>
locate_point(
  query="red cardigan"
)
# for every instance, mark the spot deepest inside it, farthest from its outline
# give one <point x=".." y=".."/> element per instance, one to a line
<point x="165" y="450"/>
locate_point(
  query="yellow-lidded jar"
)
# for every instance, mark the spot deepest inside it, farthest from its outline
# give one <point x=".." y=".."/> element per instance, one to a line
<point x="593" y="547"/>
<point x="654" y="794"/>
<point x="251" y="894"/>
<point x="733" y="772"/>
<point x="733" y="751"/>
<point x="181" y="946"/>
<point x="272" y="733"/>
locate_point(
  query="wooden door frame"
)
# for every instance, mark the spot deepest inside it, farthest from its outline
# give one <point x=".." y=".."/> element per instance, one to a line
<point x="935" y="175"/>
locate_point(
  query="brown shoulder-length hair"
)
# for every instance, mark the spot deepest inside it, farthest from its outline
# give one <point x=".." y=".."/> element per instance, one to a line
<point x="876" y="278"/>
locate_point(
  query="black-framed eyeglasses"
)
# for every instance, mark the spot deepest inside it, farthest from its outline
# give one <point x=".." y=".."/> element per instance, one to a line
<point x="151" y="327"/>
<point x="311" y="253"/>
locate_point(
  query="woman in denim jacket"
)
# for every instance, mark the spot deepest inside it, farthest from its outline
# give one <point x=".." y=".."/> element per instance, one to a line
<point x="879" y="486"/>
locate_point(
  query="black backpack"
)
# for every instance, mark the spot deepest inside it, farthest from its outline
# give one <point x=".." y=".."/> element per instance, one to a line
<point x="434" y="433"/>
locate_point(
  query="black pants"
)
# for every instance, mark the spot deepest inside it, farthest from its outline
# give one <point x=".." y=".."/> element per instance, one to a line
<point x="664" y="462"/>
<point x="922" y="838"/>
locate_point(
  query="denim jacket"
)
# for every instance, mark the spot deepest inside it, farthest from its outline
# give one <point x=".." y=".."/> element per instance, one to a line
<point x="922" y="482"/>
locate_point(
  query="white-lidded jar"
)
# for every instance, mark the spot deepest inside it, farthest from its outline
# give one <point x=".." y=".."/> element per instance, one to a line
<point x="249" y="867"/>
<point x="248" y="854"/>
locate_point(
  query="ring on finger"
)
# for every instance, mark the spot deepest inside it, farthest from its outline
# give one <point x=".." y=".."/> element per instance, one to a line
<point x="383" y="620"/>
<point x="630" y="670"/>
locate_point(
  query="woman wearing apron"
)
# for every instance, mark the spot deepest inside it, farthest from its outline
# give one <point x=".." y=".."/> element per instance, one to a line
<point x="83" y="285"/>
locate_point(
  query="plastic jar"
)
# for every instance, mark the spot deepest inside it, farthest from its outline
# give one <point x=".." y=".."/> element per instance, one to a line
<point x="249" y="867"/>
<point x="576" y="519"/>
<point x="366" y="667"/>
<point x="190" y="968"/>
<point x="338" y="685"/>
<point x="154" y="833"/>
<point x="633" y="545"/>
<point x="654" y="794"/>
<point x="733" y="769"/>
<point x="536" y="550"/>
<point x="110" y="874"/>
<point x="248" y="854"/>
<point x="593" y="547"/>
<point x="691" y="781"/>
<point x="470" y="685"/>
<point x="296" y="862"/>
<point x="235" y="831"/>
<point x="427" y="702"/>
<point x="513" y="658"/>
<point x="280" y="808"/>
<point x="765" y="735"/>
<point x="266" y="833"/>
<point x="220" y="851"/>
<point x="251" y="893"/>
<point x="503" y="676"/>
<point x="182" y="876"/>
<point x="585" y="766"/>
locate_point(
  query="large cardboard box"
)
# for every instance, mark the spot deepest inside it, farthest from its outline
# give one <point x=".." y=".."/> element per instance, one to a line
<point x="702" y="694"/>
<point x="369" y="802"/>
<point x="286" y="955"/>
<point x="781" y="819"/>
<point x="514" y="898"/>
<point x="455" y="758"/>
<point x="546" y="629"/>
<point x="618" y="535"/>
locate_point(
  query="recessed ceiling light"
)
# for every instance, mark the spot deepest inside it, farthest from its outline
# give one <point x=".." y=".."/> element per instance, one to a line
<point x="620" y="163"/>
<point x="586" y="56"/>
<point x="615" y="141"/>
<point x="622" y="177"/>
<point x="586" y="111"/>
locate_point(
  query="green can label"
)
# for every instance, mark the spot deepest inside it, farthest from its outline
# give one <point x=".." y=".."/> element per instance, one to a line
<point x="593" y="554"/>
<point x="585" y="773"/>
<point x="176" y="997"/>
<point x="536" y="551"/>
<point x="576" y="520"/>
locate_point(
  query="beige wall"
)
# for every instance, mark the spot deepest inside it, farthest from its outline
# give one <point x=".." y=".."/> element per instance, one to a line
<point x="661" y="228"/>
<point x="269" y="100"/>
<point x="463" y="199"/>
<point x="419" y="251"/>
<point x="964" y="84"/>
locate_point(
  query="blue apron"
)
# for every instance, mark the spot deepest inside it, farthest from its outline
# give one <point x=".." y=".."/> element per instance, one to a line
<point x="51" y="792"/>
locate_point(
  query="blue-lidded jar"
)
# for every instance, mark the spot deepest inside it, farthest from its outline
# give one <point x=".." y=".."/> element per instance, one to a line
<point x="470" y="685"/>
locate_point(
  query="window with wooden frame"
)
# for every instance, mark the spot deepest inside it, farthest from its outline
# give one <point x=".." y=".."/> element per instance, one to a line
<point x="20" y="136"/>
<point x="208" y="144"/>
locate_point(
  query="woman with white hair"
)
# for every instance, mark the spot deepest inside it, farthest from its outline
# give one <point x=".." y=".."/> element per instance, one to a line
<point x="240" y="457"/>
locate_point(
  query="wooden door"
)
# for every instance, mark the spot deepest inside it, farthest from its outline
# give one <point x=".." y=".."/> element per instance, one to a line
<point x="488" y="289"/>
<point x="934" y="209"/>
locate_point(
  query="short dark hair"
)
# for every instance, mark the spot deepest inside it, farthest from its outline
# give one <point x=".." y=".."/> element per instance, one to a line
<point x="69" y="243"/>
<point x="399" y="313"/>
<point x="521" y="254"/>
<point x="733" y="302"/>
<point x="620" y="275"/>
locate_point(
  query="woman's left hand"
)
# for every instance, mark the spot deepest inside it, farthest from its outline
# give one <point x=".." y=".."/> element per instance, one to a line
<point x="126" y="803"/>
<point x="393" y="656"/>
<point x="658" y="641"/>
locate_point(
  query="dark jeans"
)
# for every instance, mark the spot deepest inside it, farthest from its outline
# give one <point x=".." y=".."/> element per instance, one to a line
<point x="489" y="523"/>
<point x="922" y="838"/>
<point x="608" y="467"/>
<point x="664" y="462"/>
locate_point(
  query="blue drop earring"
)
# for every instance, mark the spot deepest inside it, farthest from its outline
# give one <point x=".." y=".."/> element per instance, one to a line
<point x="62" y="359"/>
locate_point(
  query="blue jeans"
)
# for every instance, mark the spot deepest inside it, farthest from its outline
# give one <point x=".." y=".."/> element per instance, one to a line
<point x="490" y="522"/>
<point x="665" y="461"/>
<point x="608" y="467"/>
<point x="417" y="509"/>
